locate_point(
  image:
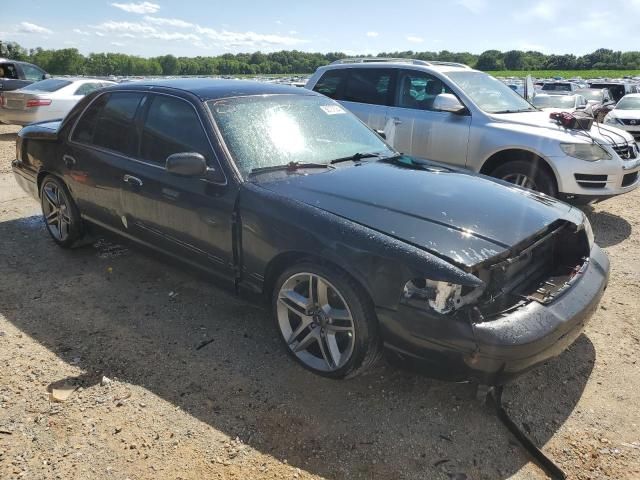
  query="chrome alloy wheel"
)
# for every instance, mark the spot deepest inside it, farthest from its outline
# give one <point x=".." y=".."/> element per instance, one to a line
<point x="56" y="211"/>
<point x="315" y="322"/>
<point x="521" y="180"/>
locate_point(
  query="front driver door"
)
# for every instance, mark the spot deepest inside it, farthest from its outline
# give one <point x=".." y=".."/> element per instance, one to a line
<point x="421" y="131"/>
<point x="190" y="217"/>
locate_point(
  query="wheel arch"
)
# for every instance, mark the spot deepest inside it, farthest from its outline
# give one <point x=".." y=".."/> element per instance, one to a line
<point x="502" y="156"/>
<point x="284" y="260"/>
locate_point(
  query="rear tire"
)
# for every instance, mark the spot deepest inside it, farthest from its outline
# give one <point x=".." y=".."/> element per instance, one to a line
<point x="325" y="320"/>
<point x="527" y="174"/>
<point x="60" y="213"/>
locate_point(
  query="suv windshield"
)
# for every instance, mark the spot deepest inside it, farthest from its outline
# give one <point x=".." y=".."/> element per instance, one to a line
<point x="554" y="101"/>
<point x="489" y="93"/>
<point x="592" y="94"/>
<point x="49" y="85"/>
<point x="277" y="130"/>
<point x="629" y="103"/>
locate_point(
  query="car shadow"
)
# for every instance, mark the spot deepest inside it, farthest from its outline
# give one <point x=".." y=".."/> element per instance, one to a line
<point x="8" y="137"/>
<point x="609" y="229"/>
<point x="114" y="310"/>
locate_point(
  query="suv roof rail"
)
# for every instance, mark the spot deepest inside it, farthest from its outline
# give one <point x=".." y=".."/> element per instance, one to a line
<point x="413" y="61"/>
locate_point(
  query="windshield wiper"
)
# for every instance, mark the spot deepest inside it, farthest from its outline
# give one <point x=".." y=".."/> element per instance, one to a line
<point x="291" y="166"/>
<point x="359" y="156"/>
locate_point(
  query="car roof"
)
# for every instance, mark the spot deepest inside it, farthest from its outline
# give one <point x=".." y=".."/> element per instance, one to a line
<point x="406" y="64"/>
<point x="212" y="89"/>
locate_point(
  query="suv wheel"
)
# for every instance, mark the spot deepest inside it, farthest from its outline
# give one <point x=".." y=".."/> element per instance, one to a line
<point x="526" y="174"/>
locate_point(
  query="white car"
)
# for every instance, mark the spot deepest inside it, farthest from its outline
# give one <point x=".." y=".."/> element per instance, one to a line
<point x="45" y="100"/>
<point x="453" y="114"/>
<point x="559" y="103"/>
<point x="626" y="115"/>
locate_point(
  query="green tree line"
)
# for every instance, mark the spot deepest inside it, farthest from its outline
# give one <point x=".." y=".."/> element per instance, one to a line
<point x="69" y="61"/>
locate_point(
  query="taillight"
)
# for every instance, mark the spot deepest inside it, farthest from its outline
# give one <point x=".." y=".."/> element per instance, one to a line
<point x="38" y="102"/>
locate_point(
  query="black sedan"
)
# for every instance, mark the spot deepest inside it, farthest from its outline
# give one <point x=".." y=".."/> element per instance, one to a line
<point x="281" y="192"/>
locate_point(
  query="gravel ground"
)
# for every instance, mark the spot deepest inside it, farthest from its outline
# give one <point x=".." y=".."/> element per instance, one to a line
<point x="171" y="377"/>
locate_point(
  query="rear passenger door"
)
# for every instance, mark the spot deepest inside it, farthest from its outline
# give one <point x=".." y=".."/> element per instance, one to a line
<point x="102" y="142"/>
<point x="367" y="92"/>
<point x="421" y="131"/>
<point x="190" y="217"/>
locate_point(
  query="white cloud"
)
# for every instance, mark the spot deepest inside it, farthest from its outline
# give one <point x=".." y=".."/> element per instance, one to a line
<point x="142" y="8"/>
<point x="81" y="32"/>
<point x="26" y="27"/>
<point x="293" y="32"/>
<point x="278" y="22"/>
<point x="414" y="39"/>
<point x="170" y="22"/>
<point x="99" y="34"/>
<point x="151" y="27"/>
<point x="117" y="44"/>
<point x="543" y="10"/>
<point x="372" y="34"/>
<point x="474" y="6"/>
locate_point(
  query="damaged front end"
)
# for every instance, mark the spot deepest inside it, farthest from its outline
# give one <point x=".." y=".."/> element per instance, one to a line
<point x="538" y="269"/>
<point x="529" y="304"/>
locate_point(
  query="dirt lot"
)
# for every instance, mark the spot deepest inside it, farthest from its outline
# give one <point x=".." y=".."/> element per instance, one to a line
<point x="173" y="407"/>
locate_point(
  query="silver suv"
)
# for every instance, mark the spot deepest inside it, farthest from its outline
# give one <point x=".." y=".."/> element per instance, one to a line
<point x="451" y="113"/>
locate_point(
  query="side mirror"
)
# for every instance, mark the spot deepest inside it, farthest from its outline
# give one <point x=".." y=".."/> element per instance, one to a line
<point x="46" y="76"/>
<point x="581" y="107"/>
<point x="447" y="102"/>
<point x="381" y="134"/>
<point x="187" y="164"/>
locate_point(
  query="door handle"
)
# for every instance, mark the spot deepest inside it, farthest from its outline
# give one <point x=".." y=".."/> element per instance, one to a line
<point x="397" y="121"/>
<point x="69" y="161"/>
<point x="133" y="181"/>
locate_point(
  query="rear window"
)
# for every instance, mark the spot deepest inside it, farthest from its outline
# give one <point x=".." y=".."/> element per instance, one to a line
<point x="331" y="84"/>
<point x="49" y="85"/>
<point x="8" y="70"/>
<point x="556" y="87"/>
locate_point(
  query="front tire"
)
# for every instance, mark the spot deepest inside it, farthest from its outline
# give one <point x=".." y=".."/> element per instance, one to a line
<point x="325" y="320"/>
<point x="527" y="174"/>
<point x="60" y="213"/>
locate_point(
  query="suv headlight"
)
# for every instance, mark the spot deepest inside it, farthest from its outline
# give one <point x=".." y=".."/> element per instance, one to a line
<point x="590" y="152"/>
<point x="441" y="297"/>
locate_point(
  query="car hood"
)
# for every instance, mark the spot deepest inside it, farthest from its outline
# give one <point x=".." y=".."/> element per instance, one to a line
<point x="464" y="217"/>
<point x="626" y="114"/>
<point x="599" y="132"/>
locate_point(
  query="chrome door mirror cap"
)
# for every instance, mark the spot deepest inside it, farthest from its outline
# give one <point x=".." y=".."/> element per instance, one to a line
<point x="447" y="102"/>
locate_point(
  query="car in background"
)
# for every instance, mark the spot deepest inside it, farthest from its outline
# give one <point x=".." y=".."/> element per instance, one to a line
<point x="559" y="103"/>
<point x="559" y="87"/>
<point x="281" y="192"/>
<point x="600" y="101"/>
<point x="45" y="100"/>
<point x="626" y="115"/>
<point x="453" y="114"/>
<point x="15" y="75"/>
<point x="617" y="89"/>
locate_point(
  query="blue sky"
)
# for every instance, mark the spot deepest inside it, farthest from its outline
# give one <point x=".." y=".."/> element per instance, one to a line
<point x="209" y="27"/>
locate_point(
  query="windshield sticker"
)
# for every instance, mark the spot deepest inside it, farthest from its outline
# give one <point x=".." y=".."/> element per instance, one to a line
<point x="332" y="109"/>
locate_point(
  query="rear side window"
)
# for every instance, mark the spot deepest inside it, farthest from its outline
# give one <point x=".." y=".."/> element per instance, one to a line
<point x="50" y="85"/>
<point x="8" y="70"/>
<point x="331" y="84"/>
<point x="87" y="88"/>
<point x="108" y="123"/>
<point x="368" y="85"/>
<point x="172" y="126"/>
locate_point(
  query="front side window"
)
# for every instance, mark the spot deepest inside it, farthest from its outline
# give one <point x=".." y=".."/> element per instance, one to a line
<point x="418" y="90"/>
<point x="368" y="85"/>
<point x="32" y="73"/>
<point x="172" y="126"/>
<point x="108" y="122"/>
<point x="279" y="129"/>
<point x="489" y="93"/>
<point x="331" y="84"/>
